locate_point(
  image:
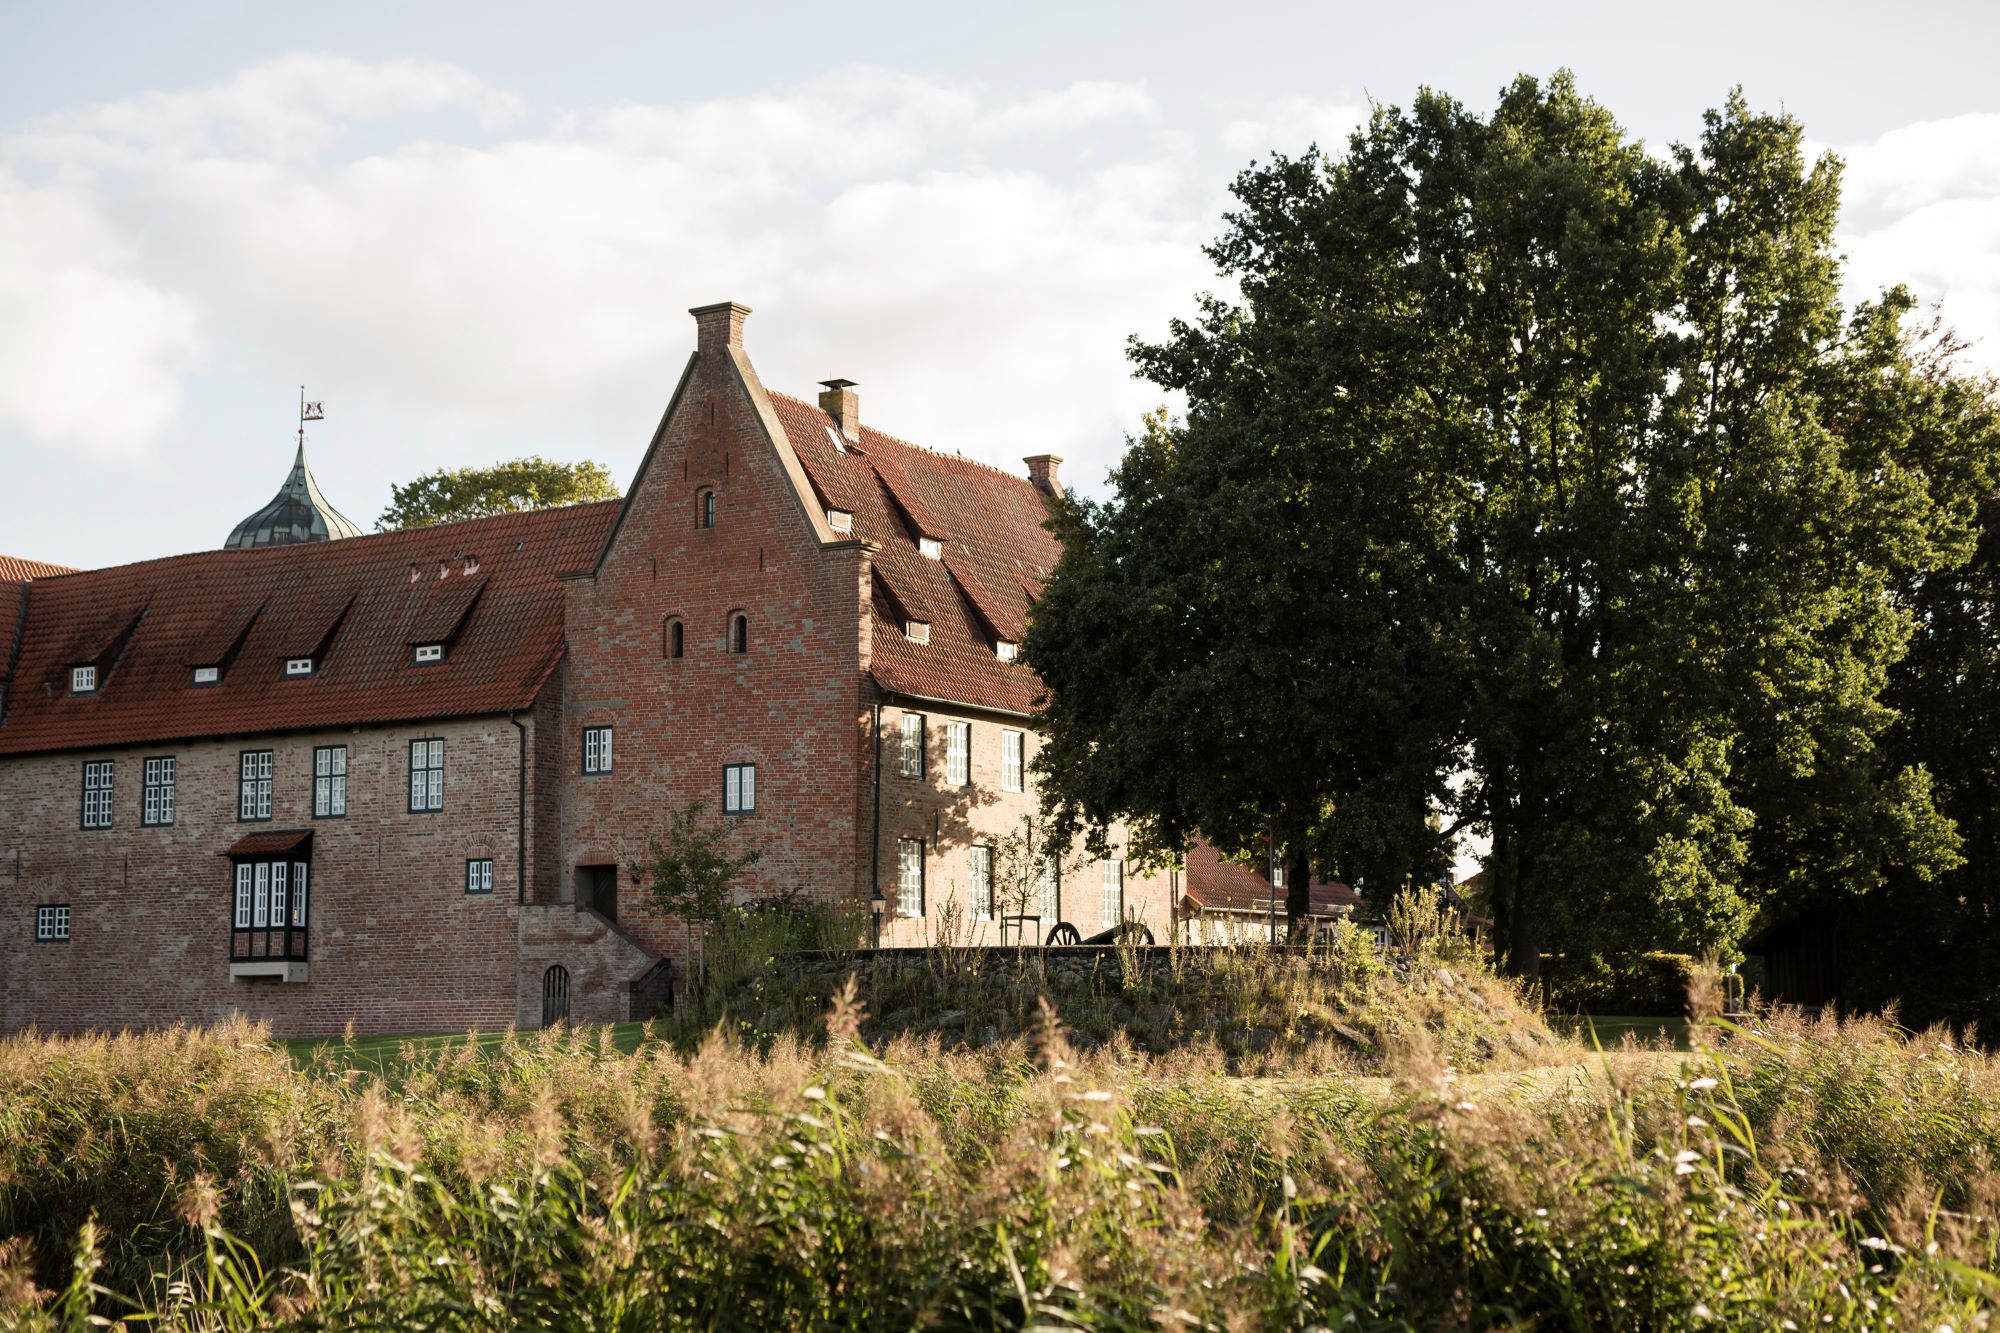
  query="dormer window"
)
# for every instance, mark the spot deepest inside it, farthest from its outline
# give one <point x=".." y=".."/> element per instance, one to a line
<point x="930" y="546"/>
<point x="298" y="666"/>
<point x="207" y="675"/>
<point x="1006" y="650"/>
<point x="917" y="631"/>
<point x="83" y="680"/>
<point x="840" y="520"/>
<point x="429" y="652"/>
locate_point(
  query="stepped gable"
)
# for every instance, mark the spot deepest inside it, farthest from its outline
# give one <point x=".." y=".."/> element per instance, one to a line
<point x="1231" y="886"/>
<point x="996" y="555"/>
<point x="487" y="587"/>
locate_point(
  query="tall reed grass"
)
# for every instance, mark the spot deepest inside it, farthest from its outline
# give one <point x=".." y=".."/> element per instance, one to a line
<point x="1787" y="1174"/>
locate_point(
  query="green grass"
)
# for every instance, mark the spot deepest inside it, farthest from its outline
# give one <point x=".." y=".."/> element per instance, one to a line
<point x="389" y="1055"/>
<point x="1610" y="1029"/>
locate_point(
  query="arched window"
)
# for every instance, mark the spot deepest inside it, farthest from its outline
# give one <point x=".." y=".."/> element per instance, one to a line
<point x="705" y="509"/>
<point x="739" y="633"/>
<point x="676" y="640"/>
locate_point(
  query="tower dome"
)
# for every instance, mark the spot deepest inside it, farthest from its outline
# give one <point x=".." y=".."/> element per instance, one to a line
<point x="298" y="513"/>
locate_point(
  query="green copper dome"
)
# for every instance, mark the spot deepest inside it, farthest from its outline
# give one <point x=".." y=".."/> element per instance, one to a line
<point x="298" y="513"/>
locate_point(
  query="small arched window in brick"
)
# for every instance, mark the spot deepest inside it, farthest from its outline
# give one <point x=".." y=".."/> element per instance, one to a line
<point x="739" y="633"/>
<point x="675" y="643"/>
<point x="704" y="509"/>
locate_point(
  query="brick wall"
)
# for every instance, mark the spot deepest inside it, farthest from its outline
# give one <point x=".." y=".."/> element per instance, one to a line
<point x="792" y="704"/>
<point x="949" y="819"/>
<point x="397" y="945"/>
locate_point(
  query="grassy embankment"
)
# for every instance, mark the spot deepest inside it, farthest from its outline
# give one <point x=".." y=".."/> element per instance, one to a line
<point x="1435" y="1173"/>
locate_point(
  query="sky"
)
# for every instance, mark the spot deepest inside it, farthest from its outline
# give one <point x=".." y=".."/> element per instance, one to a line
<point x="474" y="230"/>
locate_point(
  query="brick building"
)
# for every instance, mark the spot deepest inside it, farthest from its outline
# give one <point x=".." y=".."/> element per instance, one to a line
<point x="395" y="780"/>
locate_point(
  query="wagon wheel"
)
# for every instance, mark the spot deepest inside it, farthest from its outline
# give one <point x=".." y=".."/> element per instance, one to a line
<point x="1063" y="933"/>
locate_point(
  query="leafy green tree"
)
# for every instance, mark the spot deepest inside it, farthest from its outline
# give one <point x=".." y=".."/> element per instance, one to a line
<point x="450" y="494"/>
<point x="1528" y="458"/>
<point x="688" y="872"/>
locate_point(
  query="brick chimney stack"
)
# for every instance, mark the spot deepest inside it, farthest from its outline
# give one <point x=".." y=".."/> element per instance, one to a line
<point x="719" y="326"/>
<point x="1042" y="471"/>
<point x="838" y="400"/>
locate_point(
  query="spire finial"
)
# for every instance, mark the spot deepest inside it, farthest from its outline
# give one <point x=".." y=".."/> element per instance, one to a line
<point x="307" y="412"/>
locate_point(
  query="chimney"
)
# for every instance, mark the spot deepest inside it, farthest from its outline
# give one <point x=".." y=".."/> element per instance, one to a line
<point x="839" y="401"/>
<point x="1042" y="471"/>
<point x="718" y="326"/>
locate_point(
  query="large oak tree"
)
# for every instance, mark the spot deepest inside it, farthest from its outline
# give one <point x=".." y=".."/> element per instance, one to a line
<point x="1534" y="483"/>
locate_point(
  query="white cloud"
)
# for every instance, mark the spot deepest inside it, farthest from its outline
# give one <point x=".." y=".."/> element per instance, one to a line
<point x="550" y="271"/>
<point x="1923" y="209"/>
<point x="91" y="352"/>
<point x="1289" y="125"/>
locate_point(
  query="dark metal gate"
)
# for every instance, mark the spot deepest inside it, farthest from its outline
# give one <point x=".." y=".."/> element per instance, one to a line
<point x="555" y="996"/>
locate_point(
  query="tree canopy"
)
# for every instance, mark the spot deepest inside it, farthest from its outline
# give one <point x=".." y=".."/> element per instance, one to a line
<point x="1534" y="483"/>
<point x="450" y="494"/>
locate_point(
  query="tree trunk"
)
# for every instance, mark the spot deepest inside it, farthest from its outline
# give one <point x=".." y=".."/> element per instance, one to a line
<point x="1298" y="895"/>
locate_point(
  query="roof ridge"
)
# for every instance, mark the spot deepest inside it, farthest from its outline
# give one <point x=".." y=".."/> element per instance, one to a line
<point x="238" y="552"/>
<point x="911" y="444"/>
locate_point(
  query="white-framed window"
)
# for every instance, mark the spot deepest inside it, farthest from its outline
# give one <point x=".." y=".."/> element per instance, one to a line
<point x="426" y="776"/>
<point x="298" y="666"/>
<point x="253" y="785"/>
<point x="244" y="875"/>
<point x="909" y="877"/>
<point x="1112" y="891"/>
<point x="1012" y="748"/>
<point x="52" y="923"/>
<point x="1049" y="881"/>
<point x="913" y="745"/>
<point x="82" y="680"/>
<point x="917" y="631"/>
<point x="329" y="781"/>
<point x="156" y="805"/>
<point x="1006" y="649"/>
<point x="430" y="652"/>
<point x="278" y="869"/>
<point x="979" y="879"/>
<point x="479" y="876"/>
<point x="840" y="520"/>
<point x="739" y="789"/>
<point x="958" y="753"/>
<point x="207" y="675"/>
<point x="597" y="749"/>
<point x="270" y="894"/>
<point x="930" y="546"/>
<point x="99" y="776"/>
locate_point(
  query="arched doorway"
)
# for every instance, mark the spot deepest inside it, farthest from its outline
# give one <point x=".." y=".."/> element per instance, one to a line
<point x="555" y="995"/>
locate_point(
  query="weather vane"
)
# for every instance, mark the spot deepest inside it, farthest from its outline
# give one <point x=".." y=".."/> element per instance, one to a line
<point x="308" y="412"/>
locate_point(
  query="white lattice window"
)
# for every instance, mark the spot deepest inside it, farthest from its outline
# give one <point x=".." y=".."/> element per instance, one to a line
<point x="913" y="745"/>
<point x="931" y="547"/>
<point x="99" y="776"/>
<point x="1006" y="649"/>
<point x="1112" y="892"/>
<point x="958" y="753"/>
<point x="597" y="749"/>
<point x="1050" y="884"/>
<point x="253" y="785"/>
<point x="245" y="876"/>
<point x="979" y="878"/>
<point x="157" y="795"/>
<point x="1011" y="749"/>
<point x="298" y="893"/>
<point x="52" y="923"/>
<point x="479" y="876"/>
<point x="83" y="679"/>
<point x="298" y="666"/>
<point x="426" y="775"/>
<point x="207" y="675"/>
<point x="430" y="652"/>
<point x="739" y="789"/>
<point x="329" y="781"/>
<point x="909" y="877"/>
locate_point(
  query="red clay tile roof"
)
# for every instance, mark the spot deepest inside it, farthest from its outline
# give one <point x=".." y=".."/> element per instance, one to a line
<point x="996" y="552"/>
<point x="13" y="569"/>
<point x="1230" y="886"/>
<point x="354" y="604"/>
<point x="271" y="843"/>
